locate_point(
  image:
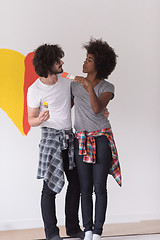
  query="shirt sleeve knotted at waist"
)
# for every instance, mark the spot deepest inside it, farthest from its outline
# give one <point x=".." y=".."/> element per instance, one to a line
<point x="52" y="143"/>
<point x="87" y="148"/>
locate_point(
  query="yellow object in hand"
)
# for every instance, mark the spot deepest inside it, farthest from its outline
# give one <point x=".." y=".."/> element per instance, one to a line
<point x="45" y="104"/>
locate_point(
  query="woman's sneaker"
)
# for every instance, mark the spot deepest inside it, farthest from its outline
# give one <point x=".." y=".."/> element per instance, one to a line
<point x="88" y="235"/>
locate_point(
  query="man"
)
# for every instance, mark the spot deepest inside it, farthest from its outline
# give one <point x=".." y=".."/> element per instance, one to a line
<point x="49" y="106"/>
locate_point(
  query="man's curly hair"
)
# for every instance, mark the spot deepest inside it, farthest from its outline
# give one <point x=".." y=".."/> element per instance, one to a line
<point x="105" y="57"/>
<point x="45" y="56"/>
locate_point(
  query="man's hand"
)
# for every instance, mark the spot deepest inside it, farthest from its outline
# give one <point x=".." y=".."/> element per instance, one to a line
<point x="106" y="113"/>
<point x="44" y="116"/>
<point x="35" y="119"/>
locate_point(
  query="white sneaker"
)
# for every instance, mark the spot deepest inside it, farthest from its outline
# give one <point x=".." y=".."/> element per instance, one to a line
<point x="88" y="235"/>
<point x="96" y="237"/>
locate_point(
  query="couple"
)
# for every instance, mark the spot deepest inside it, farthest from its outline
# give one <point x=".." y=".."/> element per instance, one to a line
<point x="88" y="156"/>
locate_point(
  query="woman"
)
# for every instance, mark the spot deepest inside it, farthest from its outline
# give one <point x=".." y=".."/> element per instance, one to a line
<point x="95" y="151"/>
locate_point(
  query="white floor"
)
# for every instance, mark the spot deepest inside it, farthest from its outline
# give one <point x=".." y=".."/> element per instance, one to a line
<point x="136" y="237"/>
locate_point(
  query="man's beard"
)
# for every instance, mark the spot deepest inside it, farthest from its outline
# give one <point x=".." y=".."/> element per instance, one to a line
<point x="57" y="71"/>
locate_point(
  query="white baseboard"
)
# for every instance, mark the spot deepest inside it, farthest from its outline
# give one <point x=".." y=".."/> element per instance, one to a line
<point x="131" y="218"/>
<point x="38" y="223"/>
<point x="20" y="224"/>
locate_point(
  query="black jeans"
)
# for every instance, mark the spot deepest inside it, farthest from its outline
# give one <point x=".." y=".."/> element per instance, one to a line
<point x="71" y="203"/>
<point x="94" y="176"/>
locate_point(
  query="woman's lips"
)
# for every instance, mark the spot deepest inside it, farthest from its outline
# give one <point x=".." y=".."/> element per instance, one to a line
<point x="84" y="67"/>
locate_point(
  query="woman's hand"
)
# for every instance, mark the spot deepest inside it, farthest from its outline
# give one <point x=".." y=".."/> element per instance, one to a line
<point x="97" y="104"/>
<point x="84" y="81"/>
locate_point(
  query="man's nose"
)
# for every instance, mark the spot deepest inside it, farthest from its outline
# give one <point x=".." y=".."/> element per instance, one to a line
<point x="62" y="62"/>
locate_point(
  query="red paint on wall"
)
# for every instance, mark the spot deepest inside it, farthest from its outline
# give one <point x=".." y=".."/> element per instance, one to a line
<point x="29" y="78"/>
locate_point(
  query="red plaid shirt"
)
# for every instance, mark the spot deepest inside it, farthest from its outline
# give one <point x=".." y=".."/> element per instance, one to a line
<point x="89" y="152"/>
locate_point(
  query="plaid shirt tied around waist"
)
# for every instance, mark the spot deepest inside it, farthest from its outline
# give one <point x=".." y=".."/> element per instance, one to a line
<point x="87" y="148"/>
<point x="50" y="156"/>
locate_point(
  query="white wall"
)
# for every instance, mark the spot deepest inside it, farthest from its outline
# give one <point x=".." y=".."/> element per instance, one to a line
<point x="132" y="28"/>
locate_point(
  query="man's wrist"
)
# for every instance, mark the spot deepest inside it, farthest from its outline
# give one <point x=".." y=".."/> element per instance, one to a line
<point x="39" y="121"/>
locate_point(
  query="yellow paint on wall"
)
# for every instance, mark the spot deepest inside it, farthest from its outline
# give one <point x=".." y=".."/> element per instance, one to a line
<point x="12" y="70"/>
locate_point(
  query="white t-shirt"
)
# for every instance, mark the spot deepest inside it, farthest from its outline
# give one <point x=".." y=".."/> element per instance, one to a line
<point x="58" y="97"/>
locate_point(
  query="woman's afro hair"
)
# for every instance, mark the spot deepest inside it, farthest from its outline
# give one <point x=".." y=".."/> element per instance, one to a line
<point x="105" y="57"/>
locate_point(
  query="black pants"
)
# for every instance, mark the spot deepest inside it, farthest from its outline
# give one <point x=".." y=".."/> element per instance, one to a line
<point x="71" y="203"/>
<point x="94" y="176"/>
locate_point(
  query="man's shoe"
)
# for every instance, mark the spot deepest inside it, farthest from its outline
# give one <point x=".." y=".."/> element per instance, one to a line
<point x="79" y="234"/>
<point x="56" y="238"/>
